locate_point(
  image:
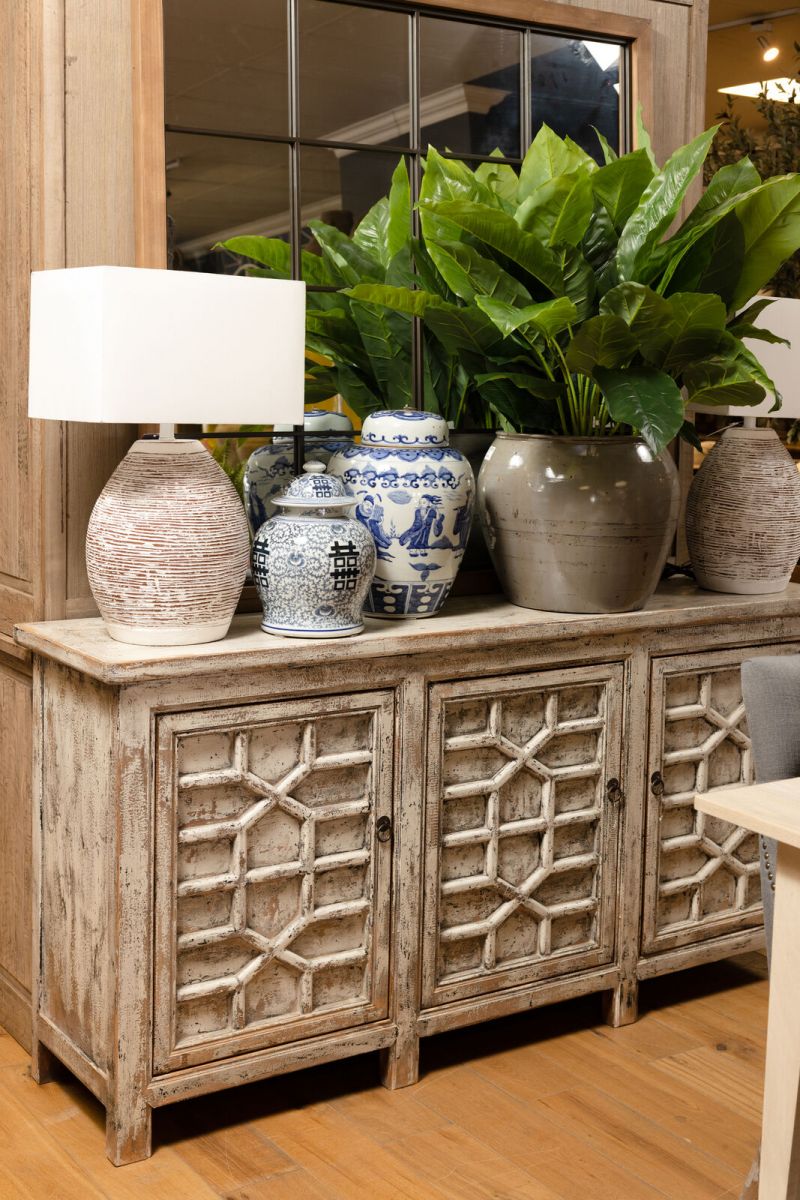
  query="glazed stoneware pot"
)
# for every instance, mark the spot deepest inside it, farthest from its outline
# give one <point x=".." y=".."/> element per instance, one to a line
<point x="577" y="524"/>
<point x="415" y="496"/>
<point x="270" y="469"/>
<point x="313" y="562"/>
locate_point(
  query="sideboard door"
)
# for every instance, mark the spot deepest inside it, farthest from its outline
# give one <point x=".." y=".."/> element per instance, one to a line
<point x="701" y="874"/>
<point x="272" y="874"/>
<point x="522" y="826"/>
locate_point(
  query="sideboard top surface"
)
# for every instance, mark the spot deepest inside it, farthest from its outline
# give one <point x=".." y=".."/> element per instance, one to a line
<point x="467" y="623"/>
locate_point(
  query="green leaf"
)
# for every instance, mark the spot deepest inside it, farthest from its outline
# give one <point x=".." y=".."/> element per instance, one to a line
<point x="609" y="153"/>
<point x="401" y="299"/>
<point x="714" y="264"/>
<point x="559" y="211"/>
<point x="500" y="177"/>
<point x="770" y="218"/>
<point x="398" y="232"/>
<point x="733" y="180"/>
<point x="548" y="156"/>
<point x="387" y="340"/>
<point x="450" y="179"/>
<point x="757" y="333"/>
<point x="578" y="281"/>
<point x="371" y="233"/>
<point x="358" y="394"/>
<point x="694" y="331"/>
<point x="749" y="314"/>
<point x="643" y="310"/>
<point x="269" y="252"/>
<point x="468" y="273"/>
<point x="599" y="243"/>
<point x="536" y="385"/>
<point x="647" y="400"/>
<point x="643" y="138"/>
<point x="349" y="260"/>
<point x="660" y="202"/>
<point x="689" y="434"/>
<point x="463" y="331"/>
<point x="603" y="341"/>
<point x="620" y="185"/>
<point x="723" y="382"/>
<point x="547" y="319"/>
<point x="500" y="232"/>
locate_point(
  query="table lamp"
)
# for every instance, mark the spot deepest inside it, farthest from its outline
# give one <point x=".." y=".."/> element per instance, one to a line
<point x="743" y="508"/>
<point x="167" y="545"/>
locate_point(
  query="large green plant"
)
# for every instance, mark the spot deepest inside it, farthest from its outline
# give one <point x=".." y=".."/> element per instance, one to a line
<point x="569" y="303"/>
<point x="367" y="345"/>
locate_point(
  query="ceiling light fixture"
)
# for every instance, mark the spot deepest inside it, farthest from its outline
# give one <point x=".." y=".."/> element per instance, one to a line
<point x="769" y="51"/>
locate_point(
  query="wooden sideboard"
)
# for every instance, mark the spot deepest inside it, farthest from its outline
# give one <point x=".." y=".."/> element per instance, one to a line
<point x="261" y="853"/>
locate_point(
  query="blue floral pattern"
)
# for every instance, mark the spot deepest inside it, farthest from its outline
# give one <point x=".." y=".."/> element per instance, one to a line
<point x="417" y="504"/>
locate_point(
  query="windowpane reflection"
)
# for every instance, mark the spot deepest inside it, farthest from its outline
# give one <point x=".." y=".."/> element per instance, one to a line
<point x="340" y="186"/>
<point x="219" y="188"/>
<point x="469" y="87"/>
<point x="226" y="65"/>
<point x="353" y="74"/>
<point x="575" y="87"/>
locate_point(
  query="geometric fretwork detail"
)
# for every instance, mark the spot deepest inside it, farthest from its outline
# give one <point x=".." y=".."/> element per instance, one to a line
<point x="707" y="867"/>
<point x="521" y="812"/>
<point x="274" y="880"/>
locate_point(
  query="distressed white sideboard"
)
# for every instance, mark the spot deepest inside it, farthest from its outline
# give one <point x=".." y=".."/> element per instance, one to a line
<point x="262" y="853"/>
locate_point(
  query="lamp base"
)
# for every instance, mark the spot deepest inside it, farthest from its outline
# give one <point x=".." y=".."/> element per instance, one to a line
<point x="743" y="515"/>
<point x="167" y="547"/>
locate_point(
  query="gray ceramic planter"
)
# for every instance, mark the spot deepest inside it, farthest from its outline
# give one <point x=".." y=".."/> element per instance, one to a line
<point x="577" y="524"/>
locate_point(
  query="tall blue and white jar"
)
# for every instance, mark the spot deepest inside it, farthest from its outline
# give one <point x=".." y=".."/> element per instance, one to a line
<point x="415" y="496"/>
<point x="270" y="468"/>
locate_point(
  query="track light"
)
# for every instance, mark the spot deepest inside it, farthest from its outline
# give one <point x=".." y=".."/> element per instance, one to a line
<point x="769" y="51"/>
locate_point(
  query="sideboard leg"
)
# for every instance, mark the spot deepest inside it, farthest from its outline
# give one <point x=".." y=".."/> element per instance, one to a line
<point x="621" y="1004"/>
<point x="129" y="1132"/>
<point x="45" y="1066"/>
<point x="400" y="1063"/>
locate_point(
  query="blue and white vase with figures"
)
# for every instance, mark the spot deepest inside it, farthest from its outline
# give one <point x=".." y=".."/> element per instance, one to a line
<point x="313" y="562"/>
<point x="415" y="496"/>
<point x="270" y="469"/>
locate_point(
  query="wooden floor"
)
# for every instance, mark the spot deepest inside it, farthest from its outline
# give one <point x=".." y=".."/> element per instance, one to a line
<point x="545" y="1105"/>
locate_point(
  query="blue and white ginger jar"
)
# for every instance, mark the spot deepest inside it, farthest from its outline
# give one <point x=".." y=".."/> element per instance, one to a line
<point x="270" y="468"/>
<point x="313" y="562"/>
<point x="415" y="496"/>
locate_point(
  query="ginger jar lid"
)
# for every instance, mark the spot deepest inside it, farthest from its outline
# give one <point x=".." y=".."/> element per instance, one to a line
<point x="404" y="427"/>
<point x="315" y="489"/>
<point x="320" y="420"/>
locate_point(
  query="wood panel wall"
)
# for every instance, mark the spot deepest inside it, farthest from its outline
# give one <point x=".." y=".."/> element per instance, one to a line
<point x="81" y="165"/>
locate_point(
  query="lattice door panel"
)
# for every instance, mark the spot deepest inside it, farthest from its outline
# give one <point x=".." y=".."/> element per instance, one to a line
<point x="273" y="890"/>
<point x="521" y="836"/>
<point x="701" y="874"/>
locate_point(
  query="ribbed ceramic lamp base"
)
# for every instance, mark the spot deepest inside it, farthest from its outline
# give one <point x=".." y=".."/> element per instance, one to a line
<point x="167" y="547"/>
<point x="743" y="515"/>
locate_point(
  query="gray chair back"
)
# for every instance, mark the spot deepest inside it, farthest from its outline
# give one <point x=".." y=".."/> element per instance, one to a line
<point x="771" y="690"/>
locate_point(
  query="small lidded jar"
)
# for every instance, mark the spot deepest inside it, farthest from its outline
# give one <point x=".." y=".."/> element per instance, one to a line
<point x="313" y="562"/>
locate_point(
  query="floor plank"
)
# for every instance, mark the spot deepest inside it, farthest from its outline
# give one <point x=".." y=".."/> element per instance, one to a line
<point x="547" y="1105"/>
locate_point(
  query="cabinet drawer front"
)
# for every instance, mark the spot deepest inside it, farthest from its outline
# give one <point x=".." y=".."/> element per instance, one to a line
<point x="521" y="839"/>
<point x="272" y="887"/>
<point x="701" y="874"/>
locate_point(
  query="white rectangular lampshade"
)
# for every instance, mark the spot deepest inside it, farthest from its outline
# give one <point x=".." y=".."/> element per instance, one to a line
<point x="134" y="345"/>
<point x="782" y="363"/>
